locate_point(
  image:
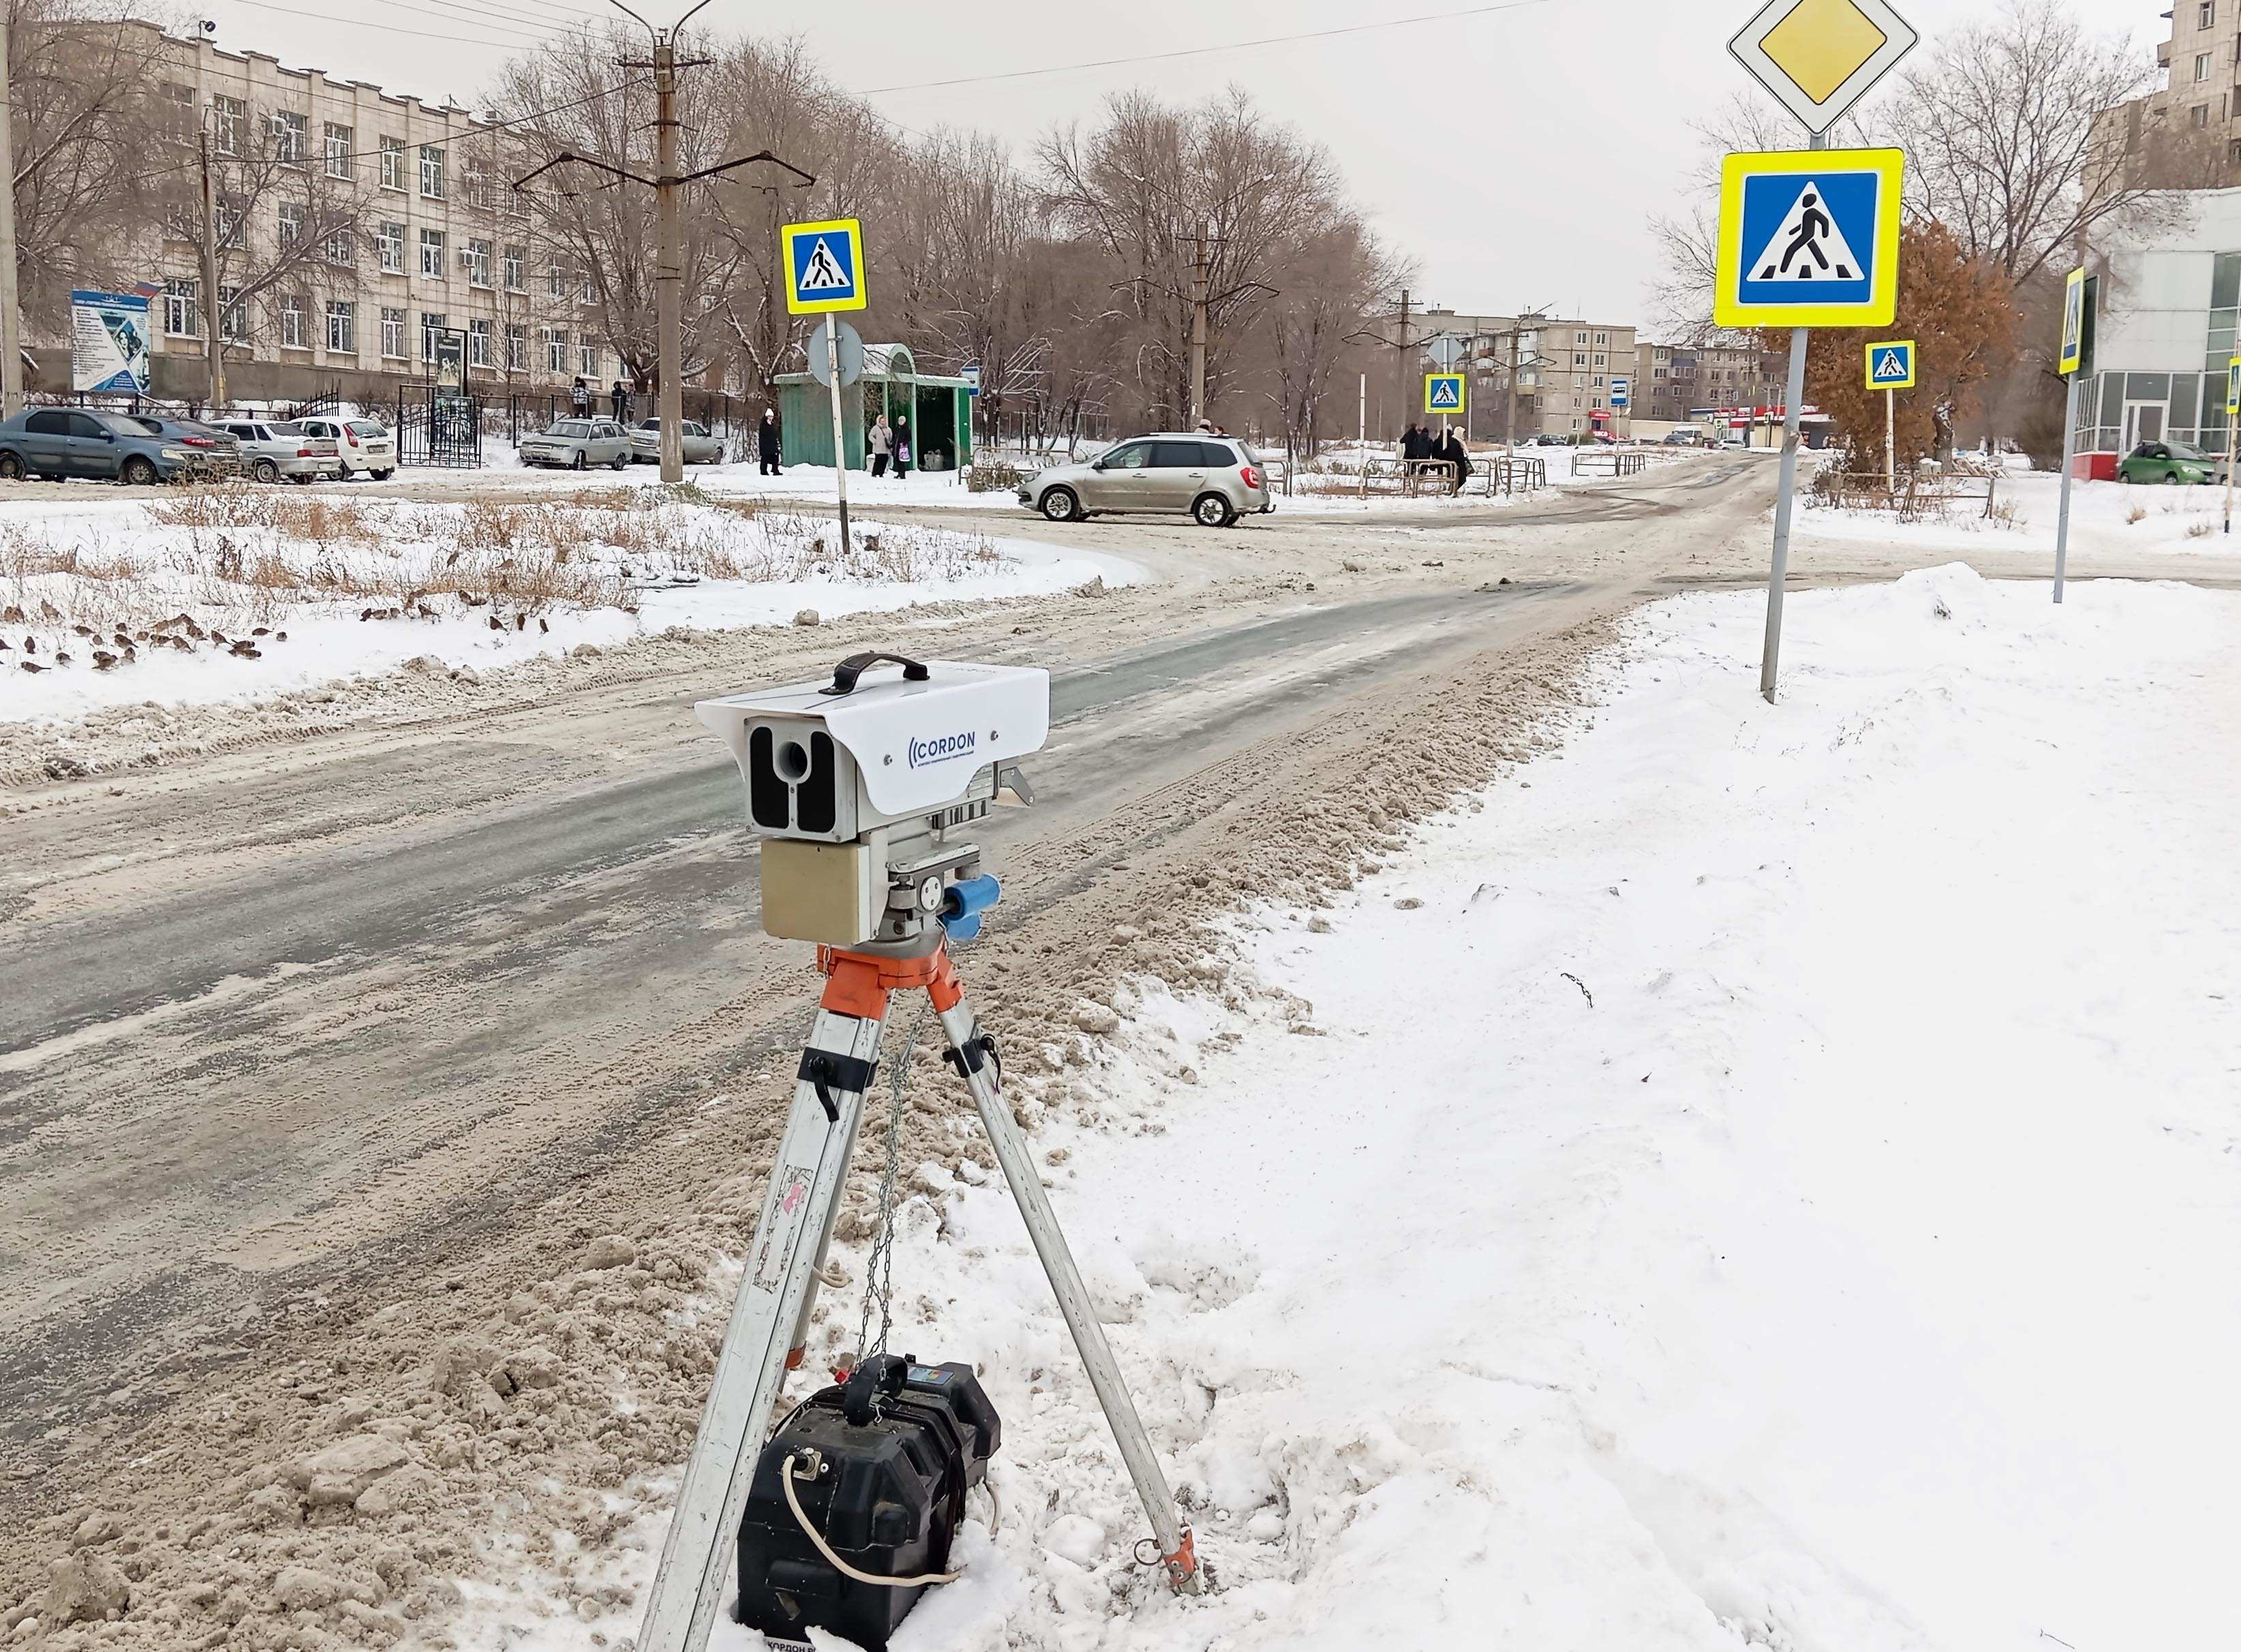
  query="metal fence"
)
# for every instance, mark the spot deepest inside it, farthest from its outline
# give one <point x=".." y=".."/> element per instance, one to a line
<point x="441" y="429"/>
<point x="1608" y="461"/>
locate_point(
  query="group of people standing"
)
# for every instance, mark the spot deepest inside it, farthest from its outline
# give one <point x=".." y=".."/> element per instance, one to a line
<point x="889" y="445"/>
<point x="1421" y="445"/>
<point x="581" y="396"/>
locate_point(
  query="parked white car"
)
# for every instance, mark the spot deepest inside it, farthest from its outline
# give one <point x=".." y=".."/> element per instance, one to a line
<point x="274" y="448"/>
<point x="700" y="448"/>
<point x="578" y="444"/>
<point x="366" y="446"/>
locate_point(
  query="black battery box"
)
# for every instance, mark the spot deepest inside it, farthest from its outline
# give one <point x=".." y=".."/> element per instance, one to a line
<point x="895" y="1446"/>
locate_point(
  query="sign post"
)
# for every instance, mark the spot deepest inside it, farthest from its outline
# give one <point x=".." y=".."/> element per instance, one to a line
<point x="824" y="269"/>
<point x="1890" y="369"/>
<point x="2073" y="363"/>
<point x="1810" y="238"/>
<point x="2232" y="407"/>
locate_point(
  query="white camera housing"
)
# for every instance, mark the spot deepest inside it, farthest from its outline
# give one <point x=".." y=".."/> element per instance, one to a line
<point x="855" y="784"/>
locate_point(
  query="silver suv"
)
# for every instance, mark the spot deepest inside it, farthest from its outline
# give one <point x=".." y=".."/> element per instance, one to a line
<point x="1212" y="479"/>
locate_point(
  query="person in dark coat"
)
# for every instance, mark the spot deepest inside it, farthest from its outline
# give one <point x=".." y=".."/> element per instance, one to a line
<point x="621" y="399"/>
<point x="903" y="454"/>
<point x="766" y="442"/>
<point x="1415" y="446"/>
<point x="1453" y="451"/>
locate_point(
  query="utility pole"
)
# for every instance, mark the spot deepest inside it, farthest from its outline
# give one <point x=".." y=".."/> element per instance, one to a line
<point x="1400" y="361"/>
<point x="11" y="321"/>
<point x="1200" y="279"/>
<point x="669" y="250"/>
<point x="213" y="316"/>
<point x="669" y="260"/>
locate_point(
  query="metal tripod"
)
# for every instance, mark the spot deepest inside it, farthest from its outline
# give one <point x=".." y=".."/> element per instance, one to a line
<point x="769" y="1330"/>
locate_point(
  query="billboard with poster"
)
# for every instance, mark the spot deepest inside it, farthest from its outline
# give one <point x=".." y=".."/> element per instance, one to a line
<point x="109" y="342"/>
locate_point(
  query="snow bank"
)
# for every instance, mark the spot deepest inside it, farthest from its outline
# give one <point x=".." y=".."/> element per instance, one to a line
<point x="1762" y="1176"/>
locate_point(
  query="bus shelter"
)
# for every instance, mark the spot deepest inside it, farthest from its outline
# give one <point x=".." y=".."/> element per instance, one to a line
<point x="939" y="410"/>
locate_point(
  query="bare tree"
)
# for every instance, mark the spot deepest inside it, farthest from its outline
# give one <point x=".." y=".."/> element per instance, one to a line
<point x="89" y="113"/>
<point x="1999" y="125"/>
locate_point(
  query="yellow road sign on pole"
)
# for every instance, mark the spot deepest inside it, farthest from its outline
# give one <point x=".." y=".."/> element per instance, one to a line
<point x="1890" y="365"/>
<point x="1819" y="57"/>
<point x="2073" y="324"/>
<point x="1444" y="393"/>
<point x="824" y="266"/>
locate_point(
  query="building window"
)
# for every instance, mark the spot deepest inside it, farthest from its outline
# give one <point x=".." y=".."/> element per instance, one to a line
<point x="389" y="246"/>
<point x="478" y="255"/>
<point x="230" y="222"/>
<point x="393" y="332"/>
<point x="1601" y="361"/>
<point x="432" y="252"/>
<point x="342" y="326"/>
<point x="432" y="171"/>
<point x="342" y="248"/>
<point x="516" y="267"/>
<point x="291" y="224"/>
<point x="584" y="292"/>
<point x="180" y="320"/>
<point x="178" y="112"/>
<point x="341" y="141"/>
<point x="1603" y="338"/>
<point x="292" y="321"/>
<point x="2202" y="114"/>
<point x="232" y="316"/>
<point x="587" y="361"/>
<point x="432" y="329"/>
<point x="556" y="282"/>
<point x="478" y="343"/>
<point x="2206" y="15"/>
<point x="291" y="135"/>
<point x="227" y="116"/>
<point x="1581" y="339"/>
<point x="556" y="349"/>
<point x="392" y="163"/>
<point x="517" y="348"/>
<point x="2201" y="66"/>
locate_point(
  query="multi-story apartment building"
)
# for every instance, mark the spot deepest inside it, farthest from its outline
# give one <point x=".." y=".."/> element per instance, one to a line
<point x="417" y="233"/>
<point x="2189" y="130"/>
<point x="1677" y="382"/>
<point x="1561" y="382"/>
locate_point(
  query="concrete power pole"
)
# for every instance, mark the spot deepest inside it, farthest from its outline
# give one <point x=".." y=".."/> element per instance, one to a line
<point x="12" y="344"/>
<point x="669" y="265"/>
<point x="213" y="316"/>
<point x="1201" y="278"/>
<point x="1401" y="364"/>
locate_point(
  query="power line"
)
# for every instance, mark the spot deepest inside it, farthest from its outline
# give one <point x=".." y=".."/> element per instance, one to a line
<point x="385" y="28"/>
<point x="1234" y="45"/>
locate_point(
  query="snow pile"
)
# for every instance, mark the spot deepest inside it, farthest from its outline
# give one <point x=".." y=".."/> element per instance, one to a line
<point x="232" y="594"/>
<point x="1759" y="1177"/>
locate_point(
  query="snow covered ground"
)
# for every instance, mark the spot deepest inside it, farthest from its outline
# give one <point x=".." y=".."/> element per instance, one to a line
<point x="1755" y="1177"/>
<point x="290" y="588"/>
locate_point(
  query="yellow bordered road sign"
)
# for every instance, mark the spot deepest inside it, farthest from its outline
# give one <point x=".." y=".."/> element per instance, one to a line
<point x="824" y="266"/>
<point x="1890" y="365"/>
<point x="1444" y="393"/>
<point x="2233" y="387"/>
<point x="1810" y="238"/>
<point x="1819" y="57"/>
<point x="2073" y="324"/>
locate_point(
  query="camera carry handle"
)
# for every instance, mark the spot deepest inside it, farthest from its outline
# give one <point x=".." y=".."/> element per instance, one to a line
<point x="846" y="673"/>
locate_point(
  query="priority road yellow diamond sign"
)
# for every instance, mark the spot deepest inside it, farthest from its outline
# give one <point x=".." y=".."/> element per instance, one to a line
<point x="1819" y="57"/>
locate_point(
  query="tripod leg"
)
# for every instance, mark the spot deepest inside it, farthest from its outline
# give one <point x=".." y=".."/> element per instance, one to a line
<point x="974" y="1057"/>
<point x="771" y="1310"/>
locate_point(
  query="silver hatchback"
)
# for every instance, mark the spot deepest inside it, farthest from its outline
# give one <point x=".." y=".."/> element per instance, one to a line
<point x="1212" y="479"/>
<point x="579" y="443"/>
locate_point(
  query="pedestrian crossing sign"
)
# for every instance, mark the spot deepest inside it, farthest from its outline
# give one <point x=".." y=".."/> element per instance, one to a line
<point x="1810" y="238"/>
<point x="2233" y="387"/>
<point x="825" y="266"/>
<point x="1444" y="392"/>
<point x="1890" y="366"/>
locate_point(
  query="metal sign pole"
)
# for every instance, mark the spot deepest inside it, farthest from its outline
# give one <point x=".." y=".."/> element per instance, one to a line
<point x="840" y="434"/>
<point x="1770" y="664"/>
<point x="1890" y="441"/>
<point x="2068" y="458"/>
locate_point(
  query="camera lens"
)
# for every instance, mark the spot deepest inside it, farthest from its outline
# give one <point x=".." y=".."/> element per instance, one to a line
<point x="791" y="763"/>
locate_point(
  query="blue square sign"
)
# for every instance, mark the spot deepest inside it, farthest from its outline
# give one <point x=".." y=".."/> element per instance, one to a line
<point x="1809" y="238"/>
<point x="825" y="266"/>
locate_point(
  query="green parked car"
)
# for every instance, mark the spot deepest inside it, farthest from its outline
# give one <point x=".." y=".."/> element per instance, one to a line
<point x="2172" y="462"/>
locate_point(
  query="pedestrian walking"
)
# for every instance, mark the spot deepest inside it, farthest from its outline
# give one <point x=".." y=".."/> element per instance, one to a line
<point x="579" y="397"/>
<point x="1455" y="454"/>
<point x="766" y="443"/>
<point x="622" y="403"/>
<point x="882" y="440"/>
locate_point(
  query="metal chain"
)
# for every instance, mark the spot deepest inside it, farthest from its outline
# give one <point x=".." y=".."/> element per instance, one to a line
<point x="879" y="1266"/>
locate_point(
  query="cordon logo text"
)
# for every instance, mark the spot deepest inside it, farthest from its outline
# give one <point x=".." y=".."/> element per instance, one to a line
<point x="941" y="748"/>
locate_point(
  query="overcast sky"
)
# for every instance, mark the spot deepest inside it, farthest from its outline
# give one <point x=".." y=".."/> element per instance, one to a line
<point x="1517" y="156"/>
